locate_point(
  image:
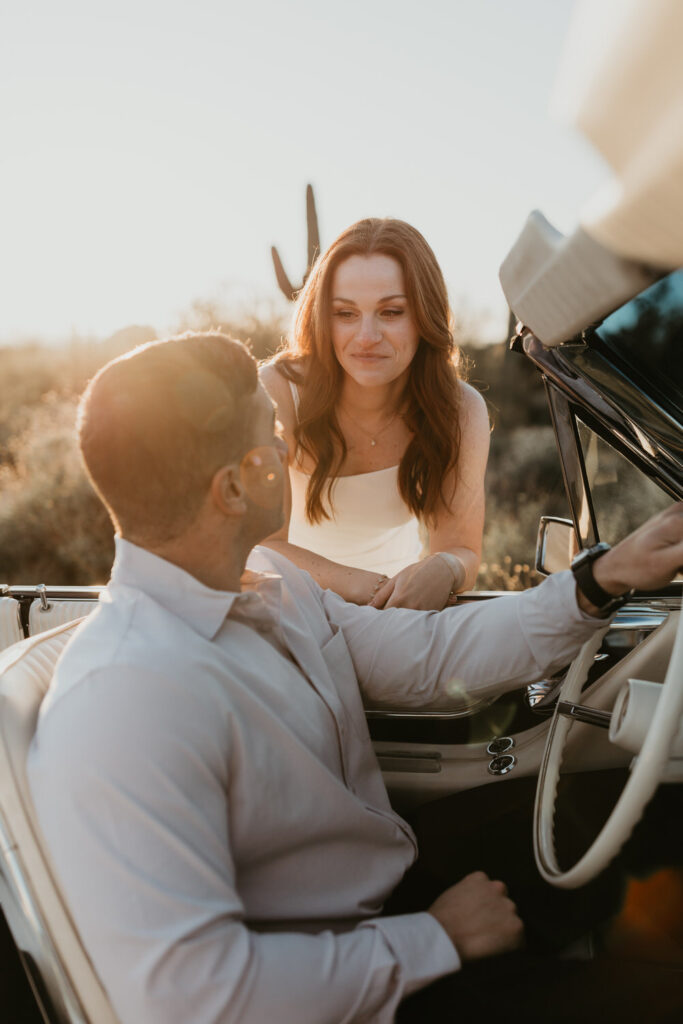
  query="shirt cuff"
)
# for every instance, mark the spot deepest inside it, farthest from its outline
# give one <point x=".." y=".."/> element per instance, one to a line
<point x="582" y="615"/>
<point x="421" y="946"/>
<point x="563" y="590"/>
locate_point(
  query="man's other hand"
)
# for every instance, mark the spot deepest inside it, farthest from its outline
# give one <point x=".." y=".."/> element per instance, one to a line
<point x="648" y="558"/>
<point x="478" y="917"/>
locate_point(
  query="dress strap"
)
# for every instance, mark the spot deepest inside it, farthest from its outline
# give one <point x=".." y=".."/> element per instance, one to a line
<point x="295" y="396"/>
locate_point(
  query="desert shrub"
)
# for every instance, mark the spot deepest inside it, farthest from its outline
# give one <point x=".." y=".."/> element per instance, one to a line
<point x="523" y="466"/>
<point x="523" y="482"/>
<point x="53" y="528"/>
<point x="261" y="330"/>
<point x="29" y="372"/>
<point x="507" y="575"/>
<point x="510" y="383"/>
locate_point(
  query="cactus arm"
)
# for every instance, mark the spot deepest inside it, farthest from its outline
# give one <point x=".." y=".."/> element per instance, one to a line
<point x="282" y="279"/>
<point x="313" y="242"/>
<point x="313" y="232"/>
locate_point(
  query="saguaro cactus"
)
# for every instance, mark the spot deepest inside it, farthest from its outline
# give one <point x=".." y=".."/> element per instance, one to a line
<point x="286" y="287"/>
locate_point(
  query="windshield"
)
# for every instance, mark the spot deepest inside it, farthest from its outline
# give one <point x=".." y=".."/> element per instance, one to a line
<point x="623" y="496"/>
<point x="646" y="337"/>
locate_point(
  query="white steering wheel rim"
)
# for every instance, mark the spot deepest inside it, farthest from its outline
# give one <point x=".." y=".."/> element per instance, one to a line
<point x="646" y="771"/>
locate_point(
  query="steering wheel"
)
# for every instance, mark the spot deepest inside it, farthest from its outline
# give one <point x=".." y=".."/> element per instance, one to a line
<point x="646" y="770"/>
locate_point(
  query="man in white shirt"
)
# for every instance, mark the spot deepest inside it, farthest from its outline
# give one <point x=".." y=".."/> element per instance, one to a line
<point x="202" y="768"/>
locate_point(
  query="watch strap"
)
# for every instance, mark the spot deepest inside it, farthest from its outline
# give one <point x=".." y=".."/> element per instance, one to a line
<point x="582" y="567"/>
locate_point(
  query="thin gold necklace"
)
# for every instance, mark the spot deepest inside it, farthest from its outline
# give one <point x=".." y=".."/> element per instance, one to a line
<point x="378" y="433"/>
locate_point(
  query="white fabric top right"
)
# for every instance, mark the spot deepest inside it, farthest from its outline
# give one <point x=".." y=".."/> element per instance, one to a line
<point x="620" y="83"/>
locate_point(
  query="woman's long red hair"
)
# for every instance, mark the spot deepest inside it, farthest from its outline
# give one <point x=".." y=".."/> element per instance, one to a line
<point x="431" y="403"/>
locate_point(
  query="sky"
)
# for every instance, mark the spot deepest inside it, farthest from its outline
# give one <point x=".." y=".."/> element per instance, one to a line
<point x="152" y="152"/>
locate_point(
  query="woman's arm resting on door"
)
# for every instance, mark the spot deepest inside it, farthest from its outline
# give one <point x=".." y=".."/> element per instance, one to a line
<point x="458" y="530"/>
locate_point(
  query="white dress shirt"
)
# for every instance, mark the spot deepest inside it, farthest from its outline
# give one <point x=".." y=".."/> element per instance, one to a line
<point x="205" y="780"/>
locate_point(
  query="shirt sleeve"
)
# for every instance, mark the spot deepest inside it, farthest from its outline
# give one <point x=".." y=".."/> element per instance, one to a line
<point x="152" y="885"/>
<point x="463" y="654"/>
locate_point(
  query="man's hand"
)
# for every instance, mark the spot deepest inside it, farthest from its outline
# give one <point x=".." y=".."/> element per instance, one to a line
<point x="424" y="585"/>
<point x="478" y="917"/>
<point x="648" y="558"/>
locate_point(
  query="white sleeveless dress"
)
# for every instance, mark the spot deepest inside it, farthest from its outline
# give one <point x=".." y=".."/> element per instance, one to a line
<point x="371" y="526"/>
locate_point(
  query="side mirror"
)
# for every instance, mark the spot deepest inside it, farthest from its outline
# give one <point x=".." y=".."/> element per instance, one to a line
<point x="555" y="545"/>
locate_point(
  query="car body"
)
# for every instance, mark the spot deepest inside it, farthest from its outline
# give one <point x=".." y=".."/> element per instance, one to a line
<point x="614" y="394"/>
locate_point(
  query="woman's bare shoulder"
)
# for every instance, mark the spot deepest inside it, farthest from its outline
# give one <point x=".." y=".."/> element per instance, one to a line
<point x="474" y="414"/>
<point x="279" y="389"/>
<point x="276" y="383"/>
<point x="272" y="377"/>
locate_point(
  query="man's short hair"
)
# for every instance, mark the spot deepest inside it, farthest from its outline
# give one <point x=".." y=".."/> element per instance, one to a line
<point x="155" y="424"/>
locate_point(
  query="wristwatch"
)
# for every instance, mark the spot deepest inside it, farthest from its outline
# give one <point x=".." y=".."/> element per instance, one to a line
<point x="582" y="567"/>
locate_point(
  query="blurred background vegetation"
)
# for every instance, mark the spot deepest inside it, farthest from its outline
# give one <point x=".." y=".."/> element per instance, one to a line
<point x="54" y="530"/>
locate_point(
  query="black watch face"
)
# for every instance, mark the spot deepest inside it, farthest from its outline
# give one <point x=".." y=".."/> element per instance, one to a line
<point x="590" y="554"/>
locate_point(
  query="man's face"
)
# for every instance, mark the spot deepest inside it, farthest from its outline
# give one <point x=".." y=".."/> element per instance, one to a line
<point x="262" y="470"/>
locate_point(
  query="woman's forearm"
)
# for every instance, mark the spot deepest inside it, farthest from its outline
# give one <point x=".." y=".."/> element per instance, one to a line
<point x="469" y="561"/>
<point x="356" y="585"/>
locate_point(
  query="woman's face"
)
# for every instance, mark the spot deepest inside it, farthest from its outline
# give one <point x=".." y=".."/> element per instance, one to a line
<point x="373" y="330"/>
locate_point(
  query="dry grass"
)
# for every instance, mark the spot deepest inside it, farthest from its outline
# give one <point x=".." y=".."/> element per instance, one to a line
<point x="54" y="530"/>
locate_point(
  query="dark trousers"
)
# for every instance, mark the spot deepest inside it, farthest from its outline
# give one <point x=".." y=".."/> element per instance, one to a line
<point x="490" y="829"/>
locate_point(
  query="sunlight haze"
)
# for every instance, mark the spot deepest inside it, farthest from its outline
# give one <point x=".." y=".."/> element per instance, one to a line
<point x="154" y="151"/>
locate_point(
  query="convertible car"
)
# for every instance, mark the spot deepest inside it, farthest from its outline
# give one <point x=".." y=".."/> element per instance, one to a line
<point x="611" y="720"/>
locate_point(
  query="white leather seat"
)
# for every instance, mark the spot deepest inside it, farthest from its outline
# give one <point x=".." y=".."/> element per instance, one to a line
<point x="31" y="897"/>
<point x="57" y="612"/>
<point x="10" y="624"/>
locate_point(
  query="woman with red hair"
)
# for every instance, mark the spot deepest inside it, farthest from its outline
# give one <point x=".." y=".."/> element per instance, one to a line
<point x="387" y="444"/>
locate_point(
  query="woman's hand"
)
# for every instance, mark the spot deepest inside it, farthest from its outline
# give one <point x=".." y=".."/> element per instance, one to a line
<point x="425" y="585"/>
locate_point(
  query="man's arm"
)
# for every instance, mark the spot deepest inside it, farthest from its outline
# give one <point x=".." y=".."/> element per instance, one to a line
<point x="649" y="558"/>
<point x="461" y="655"/>
<point x="477" y="650"/>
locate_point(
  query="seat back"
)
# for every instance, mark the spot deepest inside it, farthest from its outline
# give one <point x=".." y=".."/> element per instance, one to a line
<point x="44" y="615"/>
<point x="10" y="622"/>
<point x="36" y="912"/>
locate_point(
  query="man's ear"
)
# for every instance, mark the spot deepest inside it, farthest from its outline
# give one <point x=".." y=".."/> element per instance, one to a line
<point x="227" y="491"/>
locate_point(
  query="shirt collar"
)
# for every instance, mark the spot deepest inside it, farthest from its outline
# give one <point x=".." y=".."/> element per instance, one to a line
<point x="202" y="607"/>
